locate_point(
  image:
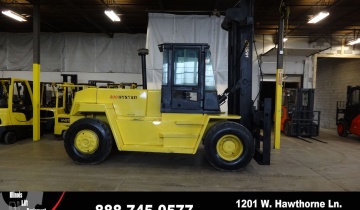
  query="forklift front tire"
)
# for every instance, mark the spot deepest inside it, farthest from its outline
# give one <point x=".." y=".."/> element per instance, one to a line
<point x="88" y="141"/>
<point x="341" y="129"/>
<point x="229" y="146"/>
<point x="10" y="137"/>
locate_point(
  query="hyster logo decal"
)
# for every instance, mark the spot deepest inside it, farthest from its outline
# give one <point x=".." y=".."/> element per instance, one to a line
<point x="122" y="97"/>
<point x="64" y="120"/>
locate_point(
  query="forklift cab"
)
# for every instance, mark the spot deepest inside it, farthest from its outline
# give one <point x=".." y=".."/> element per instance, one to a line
<point x="188" y="83"/>
<point x="16" y="110"/>
<point x="350" y="121"/>
<point x="352" y="104"/>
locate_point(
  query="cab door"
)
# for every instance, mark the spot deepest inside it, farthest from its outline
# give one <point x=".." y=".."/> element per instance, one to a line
<point x="186" y="90"/>
<point x="21" y="102"/>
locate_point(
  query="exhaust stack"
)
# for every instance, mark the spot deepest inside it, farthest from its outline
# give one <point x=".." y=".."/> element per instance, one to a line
<point x="143" y="52"/>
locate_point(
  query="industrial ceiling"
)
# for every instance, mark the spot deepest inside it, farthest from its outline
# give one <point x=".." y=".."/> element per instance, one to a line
<point x="88" y="15"/>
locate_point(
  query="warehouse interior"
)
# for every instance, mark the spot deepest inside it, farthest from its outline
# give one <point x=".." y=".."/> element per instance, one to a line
<point x="76" y="37"/>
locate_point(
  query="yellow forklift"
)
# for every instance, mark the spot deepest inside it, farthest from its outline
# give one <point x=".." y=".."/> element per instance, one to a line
<point x="185" y="113"/>
<point x="48" y="106"/>
<point x="64" y="97"/>
<point x="16" y="109"/>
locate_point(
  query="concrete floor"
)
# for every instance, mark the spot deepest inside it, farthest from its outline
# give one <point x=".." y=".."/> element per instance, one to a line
<point x="296" y="166"/>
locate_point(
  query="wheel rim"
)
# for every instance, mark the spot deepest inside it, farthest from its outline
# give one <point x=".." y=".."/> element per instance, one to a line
<point x="340" y="128"/>
<point x="229" y="147"/>
<point x="86" y="142"/>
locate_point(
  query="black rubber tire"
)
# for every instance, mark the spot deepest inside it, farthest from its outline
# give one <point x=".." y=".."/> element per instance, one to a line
<point x="287" y="128"/>
<point x="10" y="137"/>
<point x="341" y="129"/>
<point x="237" y="133"/>
<point x="100" y="130"/>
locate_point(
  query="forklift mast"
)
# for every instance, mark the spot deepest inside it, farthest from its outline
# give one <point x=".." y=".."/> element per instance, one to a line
<point x="303" y="116"/>
<point x="73" y="78"/>
<point x="239" y="23"/>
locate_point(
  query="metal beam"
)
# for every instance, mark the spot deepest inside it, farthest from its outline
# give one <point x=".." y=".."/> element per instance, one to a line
<point x="337" y="56"/>
<point x="303" y="14"/>
<point x="70" y="3"/>
<point x="331" y="27"/>
<point x="161" y="4"/>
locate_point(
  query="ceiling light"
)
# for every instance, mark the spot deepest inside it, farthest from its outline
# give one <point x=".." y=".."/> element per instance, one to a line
<point x="318" y="17"/>
<point x="14" y="15"/>
<point x="355" y="41"/>
<point x="111" y="14"/>
<point x="285" y="39"/>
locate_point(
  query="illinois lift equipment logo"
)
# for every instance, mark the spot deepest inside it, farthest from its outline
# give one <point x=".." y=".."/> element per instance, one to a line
<point x="30" y="200"/>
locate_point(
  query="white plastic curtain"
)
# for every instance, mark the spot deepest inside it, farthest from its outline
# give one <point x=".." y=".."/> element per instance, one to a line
<point x="73" y="52"/>
<point x="169" y="28"/>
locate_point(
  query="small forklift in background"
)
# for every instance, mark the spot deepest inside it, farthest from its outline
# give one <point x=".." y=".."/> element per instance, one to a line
<point x="298" y="118"/>
<point x="64" y="100"/>
<point x="48" y="106"/>
<point x="16" y="109"/>
<point x="349" y="123"/>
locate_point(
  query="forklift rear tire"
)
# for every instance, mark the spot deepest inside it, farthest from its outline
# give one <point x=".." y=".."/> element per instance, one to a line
<point x="88" y="141"/>
<point x="229" y="146"/>
<point x="10" y="137"/>
<point x="341" y="129"/>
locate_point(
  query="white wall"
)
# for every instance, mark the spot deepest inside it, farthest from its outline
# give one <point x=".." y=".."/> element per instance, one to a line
<point x="334" y="75"/>
<point x="336" y="68"/>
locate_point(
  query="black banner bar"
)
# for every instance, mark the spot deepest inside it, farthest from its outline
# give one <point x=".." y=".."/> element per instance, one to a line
<point x="177" y="200"/>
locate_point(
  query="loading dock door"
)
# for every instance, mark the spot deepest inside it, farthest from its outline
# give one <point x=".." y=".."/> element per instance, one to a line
<point x="268" y="85"/>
